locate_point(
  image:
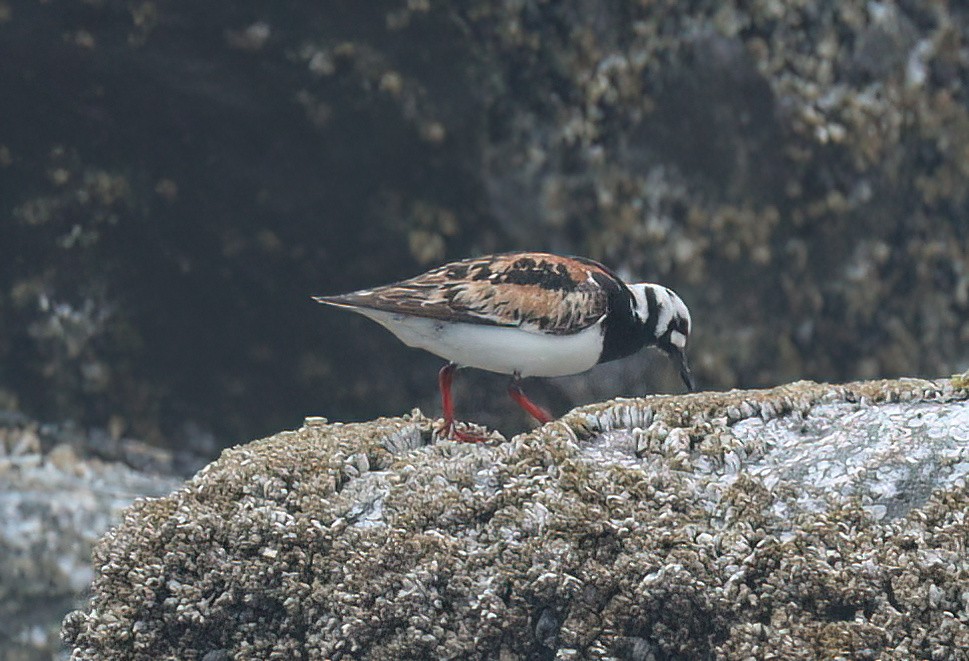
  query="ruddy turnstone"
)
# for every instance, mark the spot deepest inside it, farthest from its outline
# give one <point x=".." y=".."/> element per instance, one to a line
<point x="525" y="314"/>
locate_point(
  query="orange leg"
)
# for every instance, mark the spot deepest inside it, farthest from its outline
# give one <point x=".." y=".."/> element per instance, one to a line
<point x="444" y="379"/>
<point x="531" y="408"/>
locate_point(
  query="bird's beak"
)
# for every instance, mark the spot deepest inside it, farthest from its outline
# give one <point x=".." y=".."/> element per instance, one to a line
<point x="678" y="356"/>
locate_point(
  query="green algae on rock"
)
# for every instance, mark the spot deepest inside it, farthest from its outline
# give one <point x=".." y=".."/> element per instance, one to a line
<point x="676" y="527"/>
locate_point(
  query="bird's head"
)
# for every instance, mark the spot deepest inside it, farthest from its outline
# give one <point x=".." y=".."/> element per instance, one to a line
<point x="666" y="322"/>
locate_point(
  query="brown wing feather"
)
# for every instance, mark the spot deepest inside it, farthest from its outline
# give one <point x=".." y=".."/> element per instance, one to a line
<point x="533" y="291"/>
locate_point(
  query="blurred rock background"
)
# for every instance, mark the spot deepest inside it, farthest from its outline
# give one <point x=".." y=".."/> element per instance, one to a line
<point x="176" y="180"/>
<point x="60" y="489"/>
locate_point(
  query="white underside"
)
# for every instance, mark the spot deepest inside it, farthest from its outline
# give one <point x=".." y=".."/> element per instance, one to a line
<point x="496" y="348"/>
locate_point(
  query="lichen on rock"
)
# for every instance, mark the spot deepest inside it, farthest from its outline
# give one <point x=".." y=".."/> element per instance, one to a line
<point x="717" y="524"/>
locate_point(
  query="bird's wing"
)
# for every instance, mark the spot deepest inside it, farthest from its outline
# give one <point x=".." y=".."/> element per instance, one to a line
<point x="533" y="291"/>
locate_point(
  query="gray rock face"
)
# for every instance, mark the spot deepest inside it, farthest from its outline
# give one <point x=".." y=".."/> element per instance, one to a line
<point x="806" y="521"/>
<point x="54" y="505"/>
<point x="889" y="457"/>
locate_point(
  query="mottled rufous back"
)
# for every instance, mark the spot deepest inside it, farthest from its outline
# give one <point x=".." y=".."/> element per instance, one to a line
<point x="532" y="291"/>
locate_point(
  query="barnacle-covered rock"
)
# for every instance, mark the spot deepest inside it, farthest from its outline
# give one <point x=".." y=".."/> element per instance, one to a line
<point x="807" y="521"/>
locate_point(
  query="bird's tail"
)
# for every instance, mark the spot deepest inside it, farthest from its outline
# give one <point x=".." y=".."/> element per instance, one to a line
<point x="341" y="301"/>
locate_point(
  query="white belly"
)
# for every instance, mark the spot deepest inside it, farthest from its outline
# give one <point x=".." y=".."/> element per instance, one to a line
<point x="496" y="348"/>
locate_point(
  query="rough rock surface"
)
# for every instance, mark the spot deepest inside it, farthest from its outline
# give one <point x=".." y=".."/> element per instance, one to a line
<point x="56" y="500"/>
<point x="808" y="521"/>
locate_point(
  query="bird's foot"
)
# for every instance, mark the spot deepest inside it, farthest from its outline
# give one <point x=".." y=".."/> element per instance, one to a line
<point x="469" y="433"/>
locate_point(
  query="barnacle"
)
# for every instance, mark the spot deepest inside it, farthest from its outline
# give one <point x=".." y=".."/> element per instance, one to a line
<point x="773" y="519"/>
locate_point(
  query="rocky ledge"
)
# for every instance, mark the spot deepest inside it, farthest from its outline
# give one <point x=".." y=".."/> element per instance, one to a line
<point x="806" y="521"/>
<point x="61" y="487"/>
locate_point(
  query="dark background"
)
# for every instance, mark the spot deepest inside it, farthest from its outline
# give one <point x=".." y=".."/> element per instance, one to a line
<point x="178" y="178"/>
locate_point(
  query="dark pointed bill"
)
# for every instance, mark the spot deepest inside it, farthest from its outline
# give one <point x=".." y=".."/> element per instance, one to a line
<point x="679" y="357"/>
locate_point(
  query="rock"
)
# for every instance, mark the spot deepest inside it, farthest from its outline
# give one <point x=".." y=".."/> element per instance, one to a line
<point x="54" y="504"/>
<point x="807" y="521"/>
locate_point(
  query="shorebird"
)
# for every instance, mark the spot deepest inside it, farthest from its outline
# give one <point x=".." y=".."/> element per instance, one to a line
<point x="525" y="314"/>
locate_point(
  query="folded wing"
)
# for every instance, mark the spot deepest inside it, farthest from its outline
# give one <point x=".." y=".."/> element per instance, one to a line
<point x="533" y="291"/>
